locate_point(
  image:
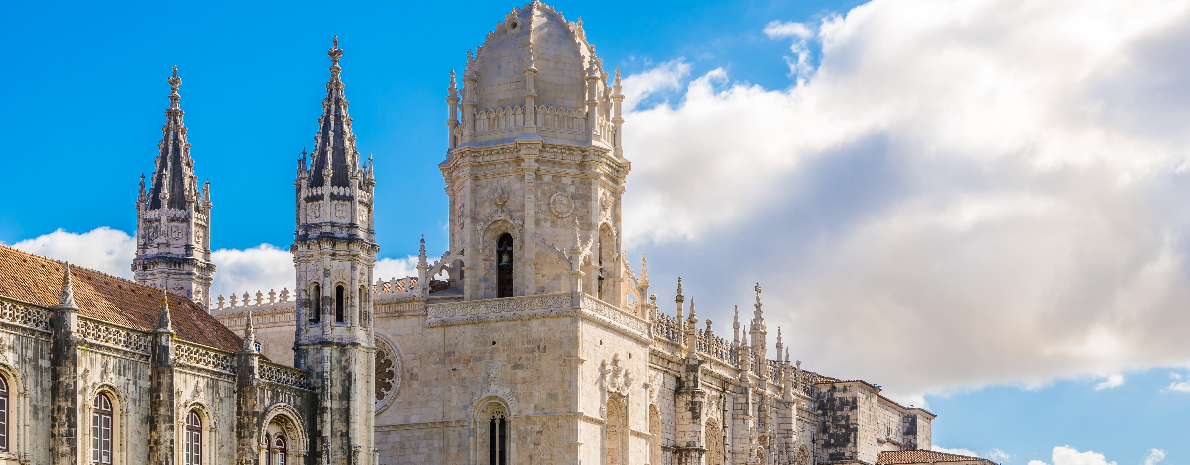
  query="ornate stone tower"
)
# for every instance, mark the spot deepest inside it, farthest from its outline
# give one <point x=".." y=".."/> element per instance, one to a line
<point x="533" y="153"/>
<point x="173" y="219"/>
<point x="334" y="250"/>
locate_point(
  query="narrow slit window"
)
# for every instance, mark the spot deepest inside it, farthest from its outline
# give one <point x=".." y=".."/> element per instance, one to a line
<point x="338" y="304"/>
<point x="316" y="304"/>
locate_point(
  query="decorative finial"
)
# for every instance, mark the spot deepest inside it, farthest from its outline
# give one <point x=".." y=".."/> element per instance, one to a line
<point x="335" y="52"/>
<point x="66" y="298"/>
<point x="249" y="334"/>
<point x="758" y="292"/>
<point x="679" y="286"/>
<point x="692" y="317"/>
<point x="163" y="320"/>
<point x="577" y="241"/>
<point x="644" y="268"/>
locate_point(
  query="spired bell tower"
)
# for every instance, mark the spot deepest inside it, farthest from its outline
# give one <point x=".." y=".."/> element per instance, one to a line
<point x="173" y="219"/>
<point x="334" y="251"/>
<point x="534" y="158"/>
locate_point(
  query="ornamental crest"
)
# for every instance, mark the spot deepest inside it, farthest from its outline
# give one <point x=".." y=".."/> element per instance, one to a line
<point x="615" y="378"/>
<point x="561" y="204"/>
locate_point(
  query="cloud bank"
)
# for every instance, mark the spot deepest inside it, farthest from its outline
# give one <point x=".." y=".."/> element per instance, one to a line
<point x="958" y="194"/>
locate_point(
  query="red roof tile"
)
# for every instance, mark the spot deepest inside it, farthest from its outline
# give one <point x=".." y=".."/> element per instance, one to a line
<point x="38" y="280"/>
<point x="922" y="456"/>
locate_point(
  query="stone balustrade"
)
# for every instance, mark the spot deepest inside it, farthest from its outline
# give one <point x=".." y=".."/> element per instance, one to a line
<point x="286" y="376"/>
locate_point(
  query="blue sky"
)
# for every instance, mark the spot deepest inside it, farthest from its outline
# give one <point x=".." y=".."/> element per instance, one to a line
<point x="977" y="205"/>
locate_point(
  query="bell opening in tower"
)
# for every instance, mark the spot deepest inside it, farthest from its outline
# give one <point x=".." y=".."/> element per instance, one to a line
<point x="338" y="304"/>
<point x="504" y="266"/>
<point x="316" y="304"/>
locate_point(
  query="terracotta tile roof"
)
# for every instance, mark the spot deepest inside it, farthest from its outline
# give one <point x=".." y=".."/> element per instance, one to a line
<point x="38" y="280"/>
<point x="922" y="456"/>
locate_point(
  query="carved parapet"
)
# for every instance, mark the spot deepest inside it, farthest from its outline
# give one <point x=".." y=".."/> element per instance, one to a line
<point x="286" y="376"/>
<point x="96" y="332"/>
<point x="24" y="315"/>
<point x="203" y="357"/>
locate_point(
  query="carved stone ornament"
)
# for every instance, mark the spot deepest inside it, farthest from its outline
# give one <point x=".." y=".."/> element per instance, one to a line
<point x="561" y="204"/>
<point x="314" y="210"/>
<point x="605" y="201"/>
<point x="615" y="378"/>
<point x="176" y="232"/>
<point x="341" y="211"/>
<point x="388" y="374"/>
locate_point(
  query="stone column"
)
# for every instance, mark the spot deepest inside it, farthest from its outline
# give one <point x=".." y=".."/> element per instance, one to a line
<point x="247" y="410"/>
<point x="64" y="390"/>
<point x="162" y="432"/>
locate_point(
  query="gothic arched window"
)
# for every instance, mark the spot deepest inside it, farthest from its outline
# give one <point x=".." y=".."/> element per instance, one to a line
<point x="279" y="450"/>
<point x="101" y="430"/>
<point x="339" y="304"/>
<point x="498" y="439"/>
<point x="268" y="449"/>
<point x="316" y="303"/>
<point x="192" y="443"/>
<point x="504" y="260"/>
<point x="3" y="414"/>
<point x="715" y="452"/>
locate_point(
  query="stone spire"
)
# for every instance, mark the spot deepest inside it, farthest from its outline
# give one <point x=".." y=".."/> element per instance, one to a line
<point x="735" y="326"/>
<point x="334" y="159"/>
<point x="164" y="323"/>
<point x="174" y="183"/>
<point x="66" y="298"/>
<point x="679" y="299"/>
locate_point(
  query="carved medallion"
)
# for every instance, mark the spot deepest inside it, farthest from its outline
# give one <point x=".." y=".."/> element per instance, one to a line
<point x="175" y="232"/>
<point x="561" y="205"/>
<point x="388" y="374"/>
<point x="341" y="211"/>
<point x="314" y="210"/>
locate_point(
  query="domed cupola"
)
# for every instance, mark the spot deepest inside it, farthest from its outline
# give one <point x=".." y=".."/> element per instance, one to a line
<point x="535" y="75"/>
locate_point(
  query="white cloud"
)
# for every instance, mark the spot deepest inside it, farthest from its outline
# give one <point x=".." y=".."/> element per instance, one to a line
<point x="102" y="249"/>
<point x="998" y="179"/>
<point x="1155" y="455"/>
<point x="390" y="268"/>
<point x="1178" y="384"/>
<point x="665" y="77"/>
<point x="1066" y="455"/>
<point x="1112" y="381"/>
<point x="261" y="268"/>
<point x="778" y="29"/>
<point x="959" y="451"/>
<point x="998" y="455"/>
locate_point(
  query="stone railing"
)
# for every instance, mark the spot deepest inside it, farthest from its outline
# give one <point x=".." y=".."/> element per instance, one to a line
<point x="804" y="381"/>
<point x="360" y="194"/>
<point x="497" y="306"/>
<point x="24" y="315"/>
<point x="234" y="302"/>
<point x="716" y="347"/>
<point x="667" y="327"/>
<point x="285" y="376"/>
<point x="550" y="121"/>
<point x="202" y="357"/>
<point x="407" y="284"/>
<point x="606" y="310"/>
<point x="775" y="367"/>
<point x="99" y="333"/>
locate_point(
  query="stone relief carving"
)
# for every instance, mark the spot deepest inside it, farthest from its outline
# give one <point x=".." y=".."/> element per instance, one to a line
<point x="313" y="210"/>
<point x="561" y="204"/>
<point x="615" y="378"/>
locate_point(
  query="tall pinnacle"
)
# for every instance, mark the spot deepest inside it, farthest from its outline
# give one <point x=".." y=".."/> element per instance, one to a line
<point x="66" y="298"/>
<point x="163" y="320"/>
<point x="173" y="182"/>
<point x="334" y="158"/>
<point x="249" y="334"/>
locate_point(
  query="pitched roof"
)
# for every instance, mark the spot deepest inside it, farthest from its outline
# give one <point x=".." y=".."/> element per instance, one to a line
<point x="922" y="456"/>
<point x="38" y="280"/>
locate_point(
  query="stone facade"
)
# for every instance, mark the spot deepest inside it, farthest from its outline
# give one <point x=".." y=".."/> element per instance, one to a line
<point x="541" y="345"/>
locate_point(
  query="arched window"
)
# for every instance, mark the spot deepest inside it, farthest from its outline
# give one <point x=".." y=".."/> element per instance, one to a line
<point x="279" y="450"/>
<point x="316" y="304"/>
<point x="654" y="435"/>
<point x="3" y="414"/>
<point x="616" y="427"/>
<point x="338" y="304"/>
<point x="193" y="440"/>
<point x="268" y="449"/>
<point x="101" y="430"/>
<point x="504" y="259"/>
<point x="714" y="437"/>
<point x="498" y="439"/>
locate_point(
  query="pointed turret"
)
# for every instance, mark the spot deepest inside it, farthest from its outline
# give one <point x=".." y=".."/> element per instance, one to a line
<point x="173" y="218"/>
<point x="334" y="156"/>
